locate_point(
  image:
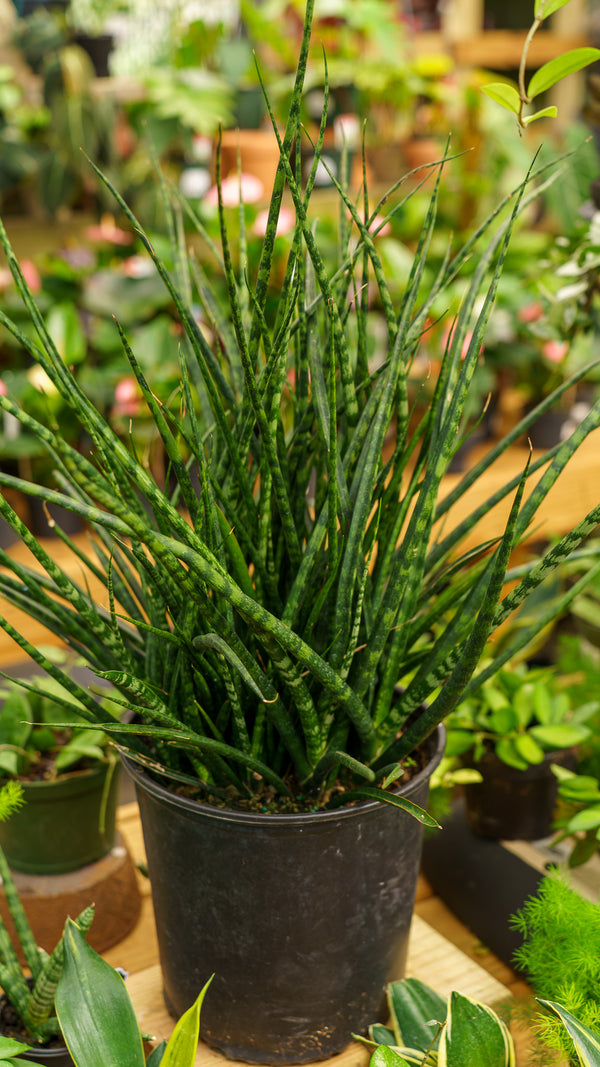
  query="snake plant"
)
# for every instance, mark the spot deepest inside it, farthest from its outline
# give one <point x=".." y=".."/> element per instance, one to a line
<point x="98" y="1020"/>
<point x="301" y="558"/>
<point x="32" y="997"/>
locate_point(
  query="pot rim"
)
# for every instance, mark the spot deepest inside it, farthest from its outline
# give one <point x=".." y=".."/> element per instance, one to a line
<point x="80" y="775"/>
<point x="284" y="819"/>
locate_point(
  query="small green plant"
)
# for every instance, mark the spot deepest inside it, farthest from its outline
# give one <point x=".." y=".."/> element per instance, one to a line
<point x="97" y="1017"/>
<point x="427" y="1029"/>
<point x="579" y="814"/>
<point x="33" y="997"/>
<point x="560" y="955"/>
<point x="517" y="99"/>
<point x="32" y="741"/>
<point x="521" y="713"/>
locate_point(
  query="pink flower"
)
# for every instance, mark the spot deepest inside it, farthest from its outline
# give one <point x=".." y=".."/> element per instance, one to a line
<point x="447" y="340"/>
<point x="3" y="388"/>
<point x="530" y="312"/>
<point x="31" y="275"/>
<point x="108" y="232"/>
<point x="237" y="186"/>
<point x="555" y="351"/>
<point x="127" y="398"/>
<point x="285" y="222"/>
<point x="138" y="267"/>
<point x="378" y="229"/>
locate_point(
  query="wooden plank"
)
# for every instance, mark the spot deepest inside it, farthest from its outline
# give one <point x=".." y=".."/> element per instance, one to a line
<point x="501" y="49"/>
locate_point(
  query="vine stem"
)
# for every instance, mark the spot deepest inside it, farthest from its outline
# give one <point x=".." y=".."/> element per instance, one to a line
<point x="523" y="64"/>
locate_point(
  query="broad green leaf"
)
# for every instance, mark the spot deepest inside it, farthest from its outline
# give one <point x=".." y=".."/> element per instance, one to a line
<point x="506" y="751"/>
<point x="15" y="720"/>
<point x="543" y="703"/>
<point x="545" y="113"/>
<point x="559" y="735"/>
<point x="95" y="1013"/>
<point x="474" y="1036"/>
<point x="503" y="721"/>
<point x="588" y="819"/>
<point x="528" y="748"/>
<point x="384" y="1056"/>
<point x="382" y="1035"/>
<point x="503" y="94"/>
<point x="183" y="1043"/>
<point x="559" y="67"/>
<point x="64" y="326"/>
<point x="458" y="742"/>
<point x="583" y="851"/>
<point x="21" y="1062"/>
<point x="10" y="1047"/>
<point x="155" y="1057"/>
<point x="585" y="1040"/>
<point x="544" y="8"/>
<point x="416" y="1011"/>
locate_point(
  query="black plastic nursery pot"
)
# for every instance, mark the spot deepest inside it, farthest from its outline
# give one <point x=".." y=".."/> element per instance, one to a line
<point x="511" y="804"/>
<point x="56" y="1055"/>
<point x="65" y="823"/>
<point x="50" y="1057"/>
<point x="302" y="918"/>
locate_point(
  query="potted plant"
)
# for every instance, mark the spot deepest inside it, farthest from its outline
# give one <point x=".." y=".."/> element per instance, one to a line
<point x="27" y="1015"/>
<point x="426" y="1028"/>
<point x="69" y="778"/>
<point x="515" y="726"/>
<point x="260" y="637"/>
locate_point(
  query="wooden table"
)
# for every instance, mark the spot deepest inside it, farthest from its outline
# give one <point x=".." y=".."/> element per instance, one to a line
<point x="442" y="953"/>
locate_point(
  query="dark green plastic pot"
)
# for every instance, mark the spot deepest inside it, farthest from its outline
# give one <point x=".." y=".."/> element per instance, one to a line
<point x="302" y="918"/>
<point x="65" y="823"/>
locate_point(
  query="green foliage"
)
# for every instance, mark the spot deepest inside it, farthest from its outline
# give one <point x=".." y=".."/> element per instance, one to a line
<point x="579" y="814"/>
<point x="97" y="1018"/>
<point x="30" y="734"/>
<point x="427" y="1029"/>
<point x="560" y="954"/>
<point x="587" y="1043"/>
<point x="520" y="713"/>
<point x="516" y="99"/>
<point x="298" y="559"/>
